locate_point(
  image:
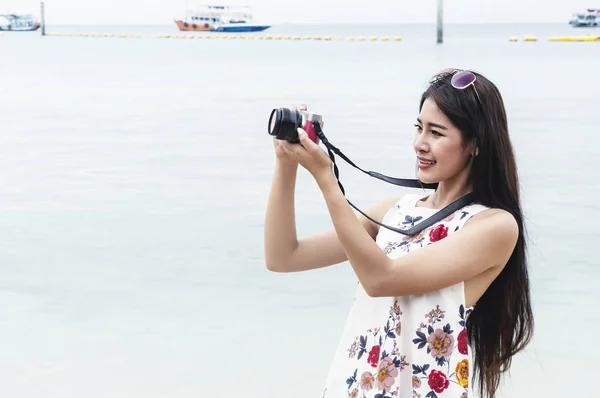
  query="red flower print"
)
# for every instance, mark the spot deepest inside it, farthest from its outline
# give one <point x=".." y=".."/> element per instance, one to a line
<point x="438" y="381"/>
<point x="438" y="233"/>
<point x="374" y="356"/>
<point x="463" y="347"/>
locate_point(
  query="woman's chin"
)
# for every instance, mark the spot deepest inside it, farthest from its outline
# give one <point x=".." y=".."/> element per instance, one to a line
<point x="426" y="179"/>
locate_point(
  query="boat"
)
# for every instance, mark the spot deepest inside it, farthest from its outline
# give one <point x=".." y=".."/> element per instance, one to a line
<point x="215" y="18"/>
<point x="19" y="23"/>
<point x="588" y="19"/>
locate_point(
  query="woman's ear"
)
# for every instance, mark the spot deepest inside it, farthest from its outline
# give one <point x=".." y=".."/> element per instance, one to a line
<point x="475" y="148"/>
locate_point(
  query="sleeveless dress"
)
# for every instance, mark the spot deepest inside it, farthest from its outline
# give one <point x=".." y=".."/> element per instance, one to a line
<point x="411" y="346"/>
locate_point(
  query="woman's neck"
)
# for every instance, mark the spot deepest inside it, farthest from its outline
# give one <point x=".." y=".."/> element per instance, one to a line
<point x="448" y="192"/>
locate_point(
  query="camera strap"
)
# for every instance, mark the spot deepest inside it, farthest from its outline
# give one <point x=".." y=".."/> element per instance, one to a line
<point x="409" y="183"/>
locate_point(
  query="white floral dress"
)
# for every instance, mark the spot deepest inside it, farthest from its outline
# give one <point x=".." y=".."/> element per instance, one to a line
<point x="411" y="346"/>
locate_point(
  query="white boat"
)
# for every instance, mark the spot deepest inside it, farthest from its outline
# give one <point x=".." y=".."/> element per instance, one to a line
<point x="217" y="18"/>
<point x="588" y="19"/>
<point x="19" y="23"/>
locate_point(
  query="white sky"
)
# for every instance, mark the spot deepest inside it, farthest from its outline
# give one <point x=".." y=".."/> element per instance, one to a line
<point x="76" y="12"/>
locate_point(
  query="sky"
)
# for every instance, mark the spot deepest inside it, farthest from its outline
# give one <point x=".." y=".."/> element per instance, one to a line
<point x="153" y="12"/>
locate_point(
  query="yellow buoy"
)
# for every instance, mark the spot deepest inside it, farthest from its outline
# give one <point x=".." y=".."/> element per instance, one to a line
<point x="590" y="38"/>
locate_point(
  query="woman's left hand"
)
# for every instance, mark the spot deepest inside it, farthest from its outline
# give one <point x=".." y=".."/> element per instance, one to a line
<point x="310" y="156"/>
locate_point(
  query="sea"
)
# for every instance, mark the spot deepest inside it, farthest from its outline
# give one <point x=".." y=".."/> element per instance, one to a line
<point x="134" y="177"/>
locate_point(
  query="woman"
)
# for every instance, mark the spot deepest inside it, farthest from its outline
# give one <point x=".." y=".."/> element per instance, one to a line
<point x="435" y="312"/>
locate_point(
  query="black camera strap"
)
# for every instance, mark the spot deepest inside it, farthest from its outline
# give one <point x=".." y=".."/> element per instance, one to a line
<point x="409" y="183"/>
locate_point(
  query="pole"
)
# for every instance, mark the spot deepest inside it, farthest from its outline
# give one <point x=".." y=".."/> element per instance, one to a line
<point x="43" y="19"/>
<point x="440" y="21"/>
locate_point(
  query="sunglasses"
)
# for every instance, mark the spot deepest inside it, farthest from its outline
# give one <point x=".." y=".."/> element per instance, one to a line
<point x="461" y="79"/>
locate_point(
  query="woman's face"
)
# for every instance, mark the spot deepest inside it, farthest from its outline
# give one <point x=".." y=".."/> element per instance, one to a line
<point x="441" y="153"/>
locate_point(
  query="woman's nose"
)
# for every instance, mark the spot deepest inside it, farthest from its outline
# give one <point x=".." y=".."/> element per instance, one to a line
<point x="420" y="143"/>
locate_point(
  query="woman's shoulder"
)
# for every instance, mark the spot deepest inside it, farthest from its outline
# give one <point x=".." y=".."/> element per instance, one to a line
<point x="496" y="221"/>
<point x="483" y="212"/>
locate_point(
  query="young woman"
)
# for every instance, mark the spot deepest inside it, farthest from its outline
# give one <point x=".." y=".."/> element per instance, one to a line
<point x="440" y="310"/>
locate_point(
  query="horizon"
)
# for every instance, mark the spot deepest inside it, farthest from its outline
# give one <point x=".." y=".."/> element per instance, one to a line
<point x="280" y="12"/>
<point x="325" y="23"/>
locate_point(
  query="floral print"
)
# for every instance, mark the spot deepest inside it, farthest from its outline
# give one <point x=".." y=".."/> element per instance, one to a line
<point x="438" y="339"/>
<point x="406" y="243"/>
<point x="463" y="347"/>
<point x="440" y="343"/>
<point x="437" y="381"/>
<point x="462" y="373"/>
<point x="386" y="374"/>
<point x="438" y="233"/>
<point x="384" y="355"/>
<point x="413" y="346"/>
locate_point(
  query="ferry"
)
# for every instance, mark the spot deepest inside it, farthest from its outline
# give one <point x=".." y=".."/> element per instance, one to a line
<point x="19" y="23"/>
<point x="214" y="18"/>
<point x="588" y="19"/>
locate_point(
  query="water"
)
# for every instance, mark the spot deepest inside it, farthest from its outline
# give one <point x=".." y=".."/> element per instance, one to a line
<point x="135" y="174"/>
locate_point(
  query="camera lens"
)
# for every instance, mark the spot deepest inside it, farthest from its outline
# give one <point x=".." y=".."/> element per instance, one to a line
<point x="283" y="124"/>
<point x="274" y="122"/>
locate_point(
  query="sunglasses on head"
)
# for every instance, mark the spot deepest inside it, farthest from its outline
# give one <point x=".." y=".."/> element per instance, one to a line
<point x="461" y="79"/>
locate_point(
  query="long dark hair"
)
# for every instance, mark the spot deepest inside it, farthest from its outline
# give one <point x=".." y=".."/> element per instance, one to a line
<point x="501" y="324"/>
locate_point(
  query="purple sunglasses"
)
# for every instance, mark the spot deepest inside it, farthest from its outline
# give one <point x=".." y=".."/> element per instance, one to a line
<point x="461" y="79"/>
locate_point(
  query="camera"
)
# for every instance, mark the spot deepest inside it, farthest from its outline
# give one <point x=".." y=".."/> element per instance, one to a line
<point x="284" y="122"/>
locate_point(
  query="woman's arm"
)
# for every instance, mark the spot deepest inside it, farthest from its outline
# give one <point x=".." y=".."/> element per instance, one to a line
<point x="486" y="241"/>
<point x="284" y="252"/>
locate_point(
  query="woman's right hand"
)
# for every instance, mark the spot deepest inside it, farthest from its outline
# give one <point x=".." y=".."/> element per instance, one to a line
<point x="281" y="155"/>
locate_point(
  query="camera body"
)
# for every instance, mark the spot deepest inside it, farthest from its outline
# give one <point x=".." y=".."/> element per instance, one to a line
<point x="284" y="124"/>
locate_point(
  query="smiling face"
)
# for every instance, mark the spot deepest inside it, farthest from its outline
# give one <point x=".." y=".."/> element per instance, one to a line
<point x="441" y="153"/>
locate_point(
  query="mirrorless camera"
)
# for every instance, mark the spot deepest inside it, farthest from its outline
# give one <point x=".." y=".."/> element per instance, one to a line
<point x="284" y="123"/>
